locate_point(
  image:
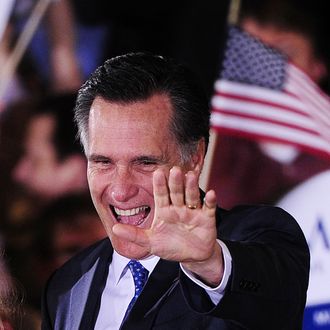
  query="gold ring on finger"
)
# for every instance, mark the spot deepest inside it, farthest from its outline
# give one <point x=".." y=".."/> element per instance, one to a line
<point x="192" y="207"/>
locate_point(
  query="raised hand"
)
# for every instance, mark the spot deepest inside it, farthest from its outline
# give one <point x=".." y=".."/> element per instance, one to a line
<point x="183" y="228"/>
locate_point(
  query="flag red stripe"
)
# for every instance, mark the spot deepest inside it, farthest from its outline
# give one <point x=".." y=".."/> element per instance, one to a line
<point x="270" y="129"/>
<point x="320" y="152"/>
<point x="318" y="103"/>
<point x="229" y="112"/>
<point x="279" y="105"/>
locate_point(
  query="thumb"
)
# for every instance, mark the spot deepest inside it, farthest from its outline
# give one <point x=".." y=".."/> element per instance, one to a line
<point x="132" y="234"/>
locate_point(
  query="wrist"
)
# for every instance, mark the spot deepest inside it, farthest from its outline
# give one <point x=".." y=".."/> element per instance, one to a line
<point x="209" y="271"/>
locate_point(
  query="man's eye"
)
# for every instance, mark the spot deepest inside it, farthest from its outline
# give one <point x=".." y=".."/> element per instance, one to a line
<point x="102" y="162"/>
<point x="148" y="162"/>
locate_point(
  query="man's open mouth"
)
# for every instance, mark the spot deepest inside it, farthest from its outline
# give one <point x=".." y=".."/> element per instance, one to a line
<point x="134" y="216"/>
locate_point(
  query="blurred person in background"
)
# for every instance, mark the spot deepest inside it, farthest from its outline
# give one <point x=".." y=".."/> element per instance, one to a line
<point x="48" y="164"/>
<point x="10" y="305"/>
<point x="251" y="170"/>
<point x="64" y="227"/>
<point x="15" y="314"/>
<point x="65" y="54"/>
<point x="15" y="89"/>
<point x="299" y="33"/>
<point x="57" y="53"/>
<point x="38" y="142"/>
<point x="67" y="226"/>
<point x="52" y="163"/>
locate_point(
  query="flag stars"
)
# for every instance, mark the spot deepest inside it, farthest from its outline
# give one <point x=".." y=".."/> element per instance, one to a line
<point x="248" y="60"/>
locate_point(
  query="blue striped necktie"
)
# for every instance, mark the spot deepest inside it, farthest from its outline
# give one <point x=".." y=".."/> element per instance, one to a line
<point x="140" y="276"/>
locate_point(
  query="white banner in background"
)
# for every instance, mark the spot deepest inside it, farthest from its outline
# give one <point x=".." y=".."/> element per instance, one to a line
<point x="309" y="203"/>
<point x="5" y="10"/>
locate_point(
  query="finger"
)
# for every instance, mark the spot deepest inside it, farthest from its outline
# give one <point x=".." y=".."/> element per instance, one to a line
<point x="161" y="194"/>
<point x="175" y="184"/>
<point x="192" y="195"/>
<point x="210" y="202"/>
<point x="132" y="234"/>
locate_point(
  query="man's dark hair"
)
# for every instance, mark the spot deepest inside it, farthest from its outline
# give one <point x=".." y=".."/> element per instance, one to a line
<point x="60" y="107"/>
<point x="136" y="77"/>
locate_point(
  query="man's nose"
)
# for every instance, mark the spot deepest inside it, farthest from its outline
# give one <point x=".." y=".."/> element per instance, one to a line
<point x="123" y="186"/>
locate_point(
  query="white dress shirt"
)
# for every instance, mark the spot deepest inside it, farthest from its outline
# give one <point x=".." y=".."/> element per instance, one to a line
<point x="120" y="289"/>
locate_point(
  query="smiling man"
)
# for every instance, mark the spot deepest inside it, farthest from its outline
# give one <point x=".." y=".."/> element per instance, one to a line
<point x="173" y="260"/>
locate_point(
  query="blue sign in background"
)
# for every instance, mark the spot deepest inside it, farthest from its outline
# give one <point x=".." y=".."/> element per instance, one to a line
<point x="317" y="317"/>
<point x="309" y="204"/>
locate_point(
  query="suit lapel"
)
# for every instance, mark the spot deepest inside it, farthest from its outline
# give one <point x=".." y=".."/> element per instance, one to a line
<point x="78" y="301"/>
<point x="79" y="306"/>
<point x="96" y="286"/>
<point x="161" y="282"/>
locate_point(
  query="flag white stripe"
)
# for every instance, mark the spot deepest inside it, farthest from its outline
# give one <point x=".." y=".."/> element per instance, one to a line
<point x="304" y="81"/>
<point x="256" y="92"/>
<point x="274" y="131"/>
<point x="263" y="111"/>
<point x="316" y="101"/>
<point x="309" y="92"/>
<point x="320" y="111"/>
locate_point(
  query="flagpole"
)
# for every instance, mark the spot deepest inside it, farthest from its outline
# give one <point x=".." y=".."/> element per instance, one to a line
<point x="25" y="37"/>
<point x="206" y="171"/>
<point x="5" y="10"/>
<point x="232" y="18"/>
<point x="233" y="13"/>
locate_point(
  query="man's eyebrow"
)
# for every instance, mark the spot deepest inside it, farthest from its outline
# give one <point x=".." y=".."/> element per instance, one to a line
<point x="96" y="157"/>
<point x="149" y="159"/>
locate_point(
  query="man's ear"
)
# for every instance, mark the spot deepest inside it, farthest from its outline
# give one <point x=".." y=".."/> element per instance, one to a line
<point x="197" y="159"/>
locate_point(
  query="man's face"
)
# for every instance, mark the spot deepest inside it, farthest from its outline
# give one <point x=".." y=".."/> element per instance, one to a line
<point x="127" y="143"/>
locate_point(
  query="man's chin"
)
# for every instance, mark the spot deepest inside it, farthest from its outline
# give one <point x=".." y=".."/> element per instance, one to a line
<point x="131" y="250"/>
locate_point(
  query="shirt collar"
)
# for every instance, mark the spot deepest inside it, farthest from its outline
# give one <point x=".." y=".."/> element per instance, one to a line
<point x="119" y="264"/>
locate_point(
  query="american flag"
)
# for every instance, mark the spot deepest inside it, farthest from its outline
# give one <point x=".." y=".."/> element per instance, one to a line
<point x="262" y="96"/>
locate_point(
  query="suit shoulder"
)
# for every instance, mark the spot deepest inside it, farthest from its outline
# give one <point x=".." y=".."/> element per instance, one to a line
<point x="254" y="219"/>
<point x="264" y="211"/>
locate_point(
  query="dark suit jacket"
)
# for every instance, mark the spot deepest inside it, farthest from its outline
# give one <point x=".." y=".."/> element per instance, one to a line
<point x="266" y="290"/>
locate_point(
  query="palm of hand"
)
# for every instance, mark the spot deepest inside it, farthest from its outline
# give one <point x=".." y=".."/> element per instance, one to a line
<point x="181" y="234"/>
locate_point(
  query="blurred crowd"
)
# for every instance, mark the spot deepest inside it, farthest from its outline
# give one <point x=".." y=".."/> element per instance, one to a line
<point x="46" y="212"/>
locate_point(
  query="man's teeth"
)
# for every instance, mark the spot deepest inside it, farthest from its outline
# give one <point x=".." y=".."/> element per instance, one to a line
<point x="129" y="212"/>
